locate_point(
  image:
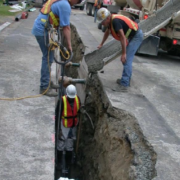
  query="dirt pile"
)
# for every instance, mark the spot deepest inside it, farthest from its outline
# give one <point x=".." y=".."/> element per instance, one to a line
<point x="116" y="148"/>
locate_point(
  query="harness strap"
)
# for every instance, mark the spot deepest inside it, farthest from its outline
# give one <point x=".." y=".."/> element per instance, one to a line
<point x="55" y="21"/>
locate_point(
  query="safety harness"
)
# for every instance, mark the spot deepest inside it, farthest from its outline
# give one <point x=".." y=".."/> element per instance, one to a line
<point x="46" y="9"/>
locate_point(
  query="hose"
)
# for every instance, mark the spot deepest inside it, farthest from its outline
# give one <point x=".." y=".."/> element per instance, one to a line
<point x="82" y="111"/>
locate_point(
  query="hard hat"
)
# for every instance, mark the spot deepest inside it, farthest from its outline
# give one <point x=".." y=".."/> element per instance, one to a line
<point x="102" y="14"/>
<point x="71" y="91"/>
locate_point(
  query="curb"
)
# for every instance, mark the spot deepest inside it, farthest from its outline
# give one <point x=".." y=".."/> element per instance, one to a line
<point x="6" y="24"/>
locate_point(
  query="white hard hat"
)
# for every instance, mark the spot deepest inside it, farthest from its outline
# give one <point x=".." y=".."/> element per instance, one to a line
<point x="71" y="91"/>
<point x="102" y="14"/>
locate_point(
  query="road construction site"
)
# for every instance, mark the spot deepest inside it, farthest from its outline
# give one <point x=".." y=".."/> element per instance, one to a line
<point x="136" y="133"/>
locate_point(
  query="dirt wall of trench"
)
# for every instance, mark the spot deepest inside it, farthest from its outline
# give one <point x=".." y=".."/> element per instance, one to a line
<point x="116" y="148"/>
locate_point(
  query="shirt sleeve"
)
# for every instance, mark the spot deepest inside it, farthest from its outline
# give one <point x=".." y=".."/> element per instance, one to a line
<point x="65" y="12"/>
<point x="117" y="25"/>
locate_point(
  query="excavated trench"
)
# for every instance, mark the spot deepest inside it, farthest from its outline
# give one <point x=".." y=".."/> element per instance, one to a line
<point x="115" y="149"/>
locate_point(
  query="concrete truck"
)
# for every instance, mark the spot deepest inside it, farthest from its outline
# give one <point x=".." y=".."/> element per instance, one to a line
<point x="166" y="37"/>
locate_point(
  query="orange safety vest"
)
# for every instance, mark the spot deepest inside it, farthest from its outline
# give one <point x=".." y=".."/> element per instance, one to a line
<point x="131" y="24"/>
<point x="46" y="9"/>
<point x="69" y="115"/>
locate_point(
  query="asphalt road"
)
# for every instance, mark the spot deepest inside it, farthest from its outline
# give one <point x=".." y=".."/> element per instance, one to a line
<point x="26" y="126"/>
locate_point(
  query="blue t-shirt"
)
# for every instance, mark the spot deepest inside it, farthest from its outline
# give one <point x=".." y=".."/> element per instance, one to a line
<point x="60" y="8"/>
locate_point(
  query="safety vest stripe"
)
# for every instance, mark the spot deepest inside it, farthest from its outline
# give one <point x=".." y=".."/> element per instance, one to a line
<point x="128" y="33"/>
<point x="133" y="25"/>
<point x="77" y="102"/>
<point x="65" y="111"/>
<point x="46" y="7"/>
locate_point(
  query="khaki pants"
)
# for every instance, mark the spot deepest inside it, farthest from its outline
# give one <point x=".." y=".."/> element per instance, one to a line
<point x="66" y="141"/>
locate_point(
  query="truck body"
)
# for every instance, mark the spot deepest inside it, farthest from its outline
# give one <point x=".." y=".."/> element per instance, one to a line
<point x="166" y="38"/>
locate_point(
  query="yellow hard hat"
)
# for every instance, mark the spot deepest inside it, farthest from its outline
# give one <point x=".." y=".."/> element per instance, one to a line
<point x="102" y="14"/>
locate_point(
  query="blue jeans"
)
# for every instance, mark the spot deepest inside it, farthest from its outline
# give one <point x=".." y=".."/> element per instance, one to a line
<point x="44" y="81"/>
<point x="95" y="14"/>
<point x="131" y="49"/>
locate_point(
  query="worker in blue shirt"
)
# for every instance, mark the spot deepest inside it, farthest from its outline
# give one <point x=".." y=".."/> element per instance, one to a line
<point x="61" y="10"/>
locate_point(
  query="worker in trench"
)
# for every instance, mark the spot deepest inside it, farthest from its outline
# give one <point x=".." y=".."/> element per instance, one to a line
<point x="130" y="36"/>
<point x="56" y="13"/>
<point x="70" y="107"/>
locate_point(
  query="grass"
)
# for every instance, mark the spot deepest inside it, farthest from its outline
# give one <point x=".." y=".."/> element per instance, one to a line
<point x="4" y="10"/>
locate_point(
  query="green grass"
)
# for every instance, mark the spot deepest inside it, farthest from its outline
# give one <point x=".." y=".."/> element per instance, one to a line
<point x="4" y="10"/>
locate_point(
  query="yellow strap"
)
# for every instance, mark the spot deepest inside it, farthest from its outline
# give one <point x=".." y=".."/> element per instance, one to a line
<point x="55" y="22"/>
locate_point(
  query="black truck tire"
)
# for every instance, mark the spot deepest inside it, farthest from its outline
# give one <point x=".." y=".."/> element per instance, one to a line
<point x="89" y="9"/>
<point x="82" y="8"/>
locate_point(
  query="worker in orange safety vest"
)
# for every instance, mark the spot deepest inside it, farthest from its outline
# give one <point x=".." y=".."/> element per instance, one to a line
<point x="130" y="36"/>
<point x="69" y="119"/>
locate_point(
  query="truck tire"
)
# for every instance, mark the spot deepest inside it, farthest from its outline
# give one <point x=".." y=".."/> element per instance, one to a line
<point x="82" y="8"/>
<point x="89" y="9"/>
<point x="99" y="26"/>
<point x="93" y="10"/>
<point x="173" y="51"/>
<point x="103" y="28"/>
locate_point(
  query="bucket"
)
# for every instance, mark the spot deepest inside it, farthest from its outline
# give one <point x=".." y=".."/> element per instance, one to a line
<point x="24" y="15"/>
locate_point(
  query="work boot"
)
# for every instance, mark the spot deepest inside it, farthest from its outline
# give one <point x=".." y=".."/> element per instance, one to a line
<point x="118" y="81"/>
<point x="120" y="88"/>
<point x="54" y="86"/>
<point x="49" y="93"/>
